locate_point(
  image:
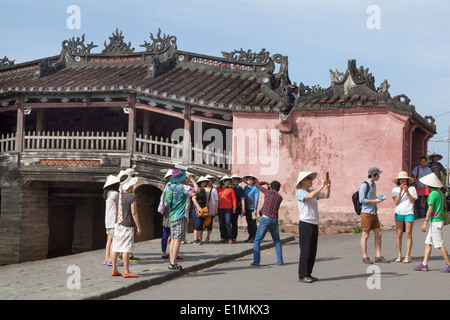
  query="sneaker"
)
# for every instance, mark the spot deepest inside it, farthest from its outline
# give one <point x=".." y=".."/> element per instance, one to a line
<point x="222" y="240"/>
<point x="421" y="267"/>
<point x="446" y="269"/>
<point x="230" y="241"/>
<point x="134" y="258"/>
<point x="197" y="242"/>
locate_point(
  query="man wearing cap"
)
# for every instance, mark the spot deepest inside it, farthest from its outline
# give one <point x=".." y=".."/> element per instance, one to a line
<point x="369" y="217"/>
<point x="437" y="167"/>
<point x="434" y="221"/>
<point x="176" y="197"/>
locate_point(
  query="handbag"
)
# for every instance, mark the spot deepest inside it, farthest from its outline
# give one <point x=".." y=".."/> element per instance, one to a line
<point x="203" y="212"/>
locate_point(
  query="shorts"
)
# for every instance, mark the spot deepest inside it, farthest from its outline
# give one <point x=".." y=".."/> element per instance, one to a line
<point x="369" y="222"/>
<point x="178" y="229"/>
<point x="434" y="234"/>
<point x="404" y="217"/>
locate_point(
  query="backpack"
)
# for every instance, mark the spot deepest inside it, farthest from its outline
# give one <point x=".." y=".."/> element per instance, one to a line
<point x="355" y="198"/>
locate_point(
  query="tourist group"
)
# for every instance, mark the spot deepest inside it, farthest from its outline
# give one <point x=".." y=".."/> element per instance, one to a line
<point x="207" y="197"/>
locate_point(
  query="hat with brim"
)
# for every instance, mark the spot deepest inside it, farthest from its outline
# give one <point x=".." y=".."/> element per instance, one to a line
<point x="128" y="183"/>
<point x="202" y="179"/>
<point x="210" y="177"/>
<point x="302" y="175"/>
<point x="402" y="175"/>
<point x="178" y="176"/>
<point x="235" y="176"/>
<point x="168" y="174"/>
<point x="111" y="180"/>
<point x="249" y="176"/>
<point x="225" y="178"/>
<point x="431" y="180"/>
<point x="435" y="154"/>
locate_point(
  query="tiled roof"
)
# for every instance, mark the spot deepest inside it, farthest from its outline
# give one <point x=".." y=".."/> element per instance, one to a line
<point x="240" y="81"/>
<point x="168" y="74"/>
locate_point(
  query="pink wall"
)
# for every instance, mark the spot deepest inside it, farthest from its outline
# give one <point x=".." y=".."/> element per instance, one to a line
<point x="346" y="143"/>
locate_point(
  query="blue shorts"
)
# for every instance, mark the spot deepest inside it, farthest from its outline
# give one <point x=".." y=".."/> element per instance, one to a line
<point x="404" y="217"/>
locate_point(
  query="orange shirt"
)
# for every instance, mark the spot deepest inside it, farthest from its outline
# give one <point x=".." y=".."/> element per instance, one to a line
<point x="228" y="200"/>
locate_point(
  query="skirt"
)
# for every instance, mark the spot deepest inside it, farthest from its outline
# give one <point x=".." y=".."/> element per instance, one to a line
<point x="123" y="239"/>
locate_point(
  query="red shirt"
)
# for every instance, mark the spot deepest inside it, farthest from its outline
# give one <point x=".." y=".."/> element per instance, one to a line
<point x="228" y="200"/>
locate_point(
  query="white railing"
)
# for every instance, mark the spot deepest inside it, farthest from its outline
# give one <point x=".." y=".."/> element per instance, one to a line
<point x="8" y="142"/>
<point x="75" y="141"/>
<point x="115" y="142"/>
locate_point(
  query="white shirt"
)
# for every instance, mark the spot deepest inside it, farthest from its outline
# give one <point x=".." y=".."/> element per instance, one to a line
<point x="109" y="210"/>
<point x="405" y="206"/>
<point x="308" y="209"/>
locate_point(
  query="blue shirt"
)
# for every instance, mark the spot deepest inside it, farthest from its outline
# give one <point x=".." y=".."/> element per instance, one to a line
<point x="420" y="172"/>
<point x="371" y="208"/>
<point x="251" y="197"/>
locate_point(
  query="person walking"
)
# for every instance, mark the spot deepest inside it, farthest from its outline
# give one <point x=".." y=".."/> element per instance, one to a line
<point x="404" y="196"/>
<point x="422" y="190"/>
<point x="369" y="217"/>
<point x="251" y="206"/>
<point x="434" y="222"/>
<point x="308" y="227"/>
<point x="227" y="207"/>
<point x="176" y="197"/>
<point x="269" y="221"/>
<point x="127" y="220"/>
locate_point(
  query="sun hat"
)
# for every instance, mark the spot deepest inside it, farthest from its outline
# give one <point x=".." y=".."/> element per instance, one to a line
<point x="131" y="172"/>
<point x="178" y="176"/>
<point x="249" y="176"/>
<point x="431" y="180"/>
<point x="402" y="175"/>
<point x="111" y="180"/>
<point x="211" y="177"/>
<point x="225" y="178"/>
<point x="435" y="154"/>
<point x="130" y="181"/>
<point x="202" y="179"/>
<point x="168" y="174"/>
<point x="235" y="176"/>
<point x="302" y="175"/>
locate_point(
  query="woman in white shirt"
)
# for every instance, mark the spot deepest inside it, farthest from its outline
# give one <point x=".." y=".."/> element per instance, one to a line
<point x="404" y="196"/>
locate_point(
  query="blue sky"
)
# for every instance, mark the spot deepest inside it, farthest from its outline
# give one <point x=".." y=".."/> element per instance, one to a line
<point x="411" y="49"/>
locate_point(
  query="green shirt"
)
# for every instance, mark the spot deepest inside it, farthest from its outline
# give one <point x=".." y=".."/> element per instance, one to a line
<point x="436" y="199"/>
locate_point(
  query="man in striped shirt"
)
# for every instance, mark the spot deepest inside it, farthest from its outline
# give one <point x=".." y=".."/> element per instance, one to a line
<point x="269" y="221"/>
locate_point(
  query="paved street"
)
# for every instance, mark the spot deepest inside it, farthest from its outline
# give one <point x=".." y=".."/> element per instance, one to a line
<point x="222" y="272"/>
<point x="341" y="275"/>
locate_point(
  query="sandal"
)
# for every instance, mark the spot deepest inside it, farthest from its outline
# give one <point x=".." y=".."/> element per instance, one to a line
<point x="175" y="266"/>
<point x="399" y="259"/>
<point x="407" y="260"/>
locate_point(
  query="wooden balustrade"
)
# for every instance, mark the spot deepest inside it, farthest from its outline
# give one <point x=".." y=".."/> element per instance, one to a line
<point x="114" y="142"/>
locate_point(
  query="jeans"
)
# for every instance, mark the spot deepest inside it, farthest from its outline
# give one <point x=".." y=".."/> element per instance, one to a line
<point x="251" y="224"/>
<point x="419" y="206"/>
<point x="225" y="223"/>
<point x="265" y="224"/>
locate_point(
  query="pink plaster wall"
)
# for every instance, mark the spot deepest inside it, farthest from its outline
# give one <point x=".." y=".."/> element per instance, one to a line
<point x="346" y="143"/>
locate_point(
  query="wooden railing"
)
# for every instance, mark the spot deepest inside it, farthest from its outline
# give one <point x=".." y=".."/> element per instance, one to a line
<point x="117" y="143"/>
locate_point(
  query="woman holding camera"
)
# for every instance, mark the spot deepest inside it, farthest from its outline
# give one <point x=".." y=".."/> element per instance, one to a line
<point x="404" y="196"/>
